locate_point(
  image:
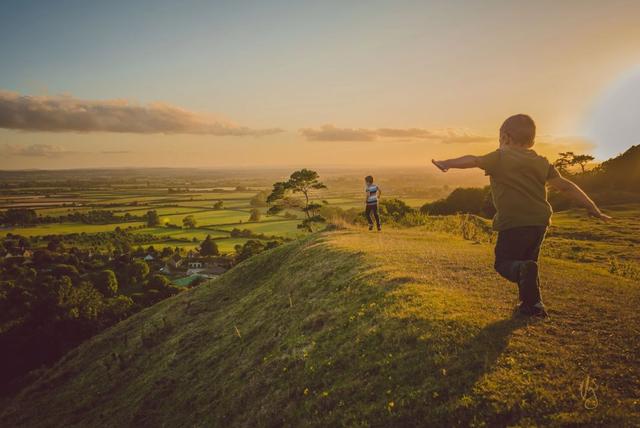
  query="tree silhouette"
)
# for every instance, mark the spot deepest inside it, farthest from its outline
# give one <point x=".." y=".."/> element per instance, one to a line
<point x="568" y="159"/>
<point x="582" y="160"/>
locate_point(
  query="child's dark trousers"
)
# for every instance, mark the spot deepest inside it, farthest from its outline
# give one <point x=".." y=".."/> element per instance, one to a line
<point x="514" y="247"/>
<point x="372" y="209"/>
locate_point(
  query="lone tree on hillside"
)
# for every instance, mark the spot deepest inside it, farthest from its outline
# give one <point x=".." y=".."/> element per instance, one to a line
<point x="568" y="159"/>
<point x="218" y="205"/>
<point x="208" y="247"/>
<point x="303" y="181"/>
<point x="189" y="222"/>
<point x="582" y="160"/>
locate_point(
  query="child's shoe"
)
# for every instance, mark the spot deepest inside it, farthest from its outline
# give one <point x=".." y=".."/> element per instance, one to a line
<point x="371" y="228"/>
<point x="537" y="310"/>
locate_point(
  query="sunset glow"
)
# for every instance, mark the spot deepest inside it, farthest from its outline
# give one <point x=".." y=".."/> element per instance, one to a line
<point x="277" y="83"/>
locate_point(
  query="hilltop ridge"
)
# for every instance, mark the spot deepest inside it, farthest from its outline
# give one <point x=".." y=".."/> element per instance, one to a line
<point x="402" y="328"/>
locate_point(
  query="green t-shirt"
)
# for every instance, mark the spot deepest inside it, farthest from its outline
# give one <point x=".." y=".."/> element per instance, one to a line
<point x="518" y="178"/>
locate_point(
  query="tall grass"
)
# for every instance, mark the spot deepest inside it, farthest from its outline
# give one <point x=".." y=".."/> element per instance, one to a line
<point x="467" y="226"/>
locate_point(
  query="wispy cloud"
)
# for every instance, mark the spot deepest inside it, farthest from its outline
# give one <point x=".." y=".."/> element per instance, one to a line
<point x="115" y="152"/>
<point x="330" y="132"/>
<point x="33" y="150"/>
<point x="66" y="113"/>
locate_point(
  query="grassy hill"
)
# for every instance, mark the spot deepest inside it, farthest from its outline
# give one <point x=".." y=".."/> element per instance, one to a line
<point x="403" y="328"/>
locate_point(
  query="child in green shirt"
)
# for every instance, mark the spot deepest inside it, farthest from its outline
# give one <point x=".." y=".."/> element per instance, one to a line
<point x="518" y="176"/>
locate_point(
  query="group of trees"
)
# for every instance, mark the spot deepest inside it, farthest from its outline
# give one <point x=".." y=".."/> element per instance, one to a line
<point x="55" y="299"/>
<point x="18" y="217"/>
<point x="253" y="247"/>
<point x="28" y="216"/>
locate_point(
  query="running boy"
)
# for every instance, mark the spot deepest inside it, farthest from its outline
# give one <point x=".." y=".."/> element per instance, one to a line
<point x="371" y="202"/>
<point x="518" y="176"/>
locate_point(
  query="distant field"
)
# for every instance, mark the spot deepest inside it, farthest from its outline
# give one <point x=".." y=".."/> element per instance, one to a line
<point x="287" y="228"/>
<point x="171" y="207"/>
<point x="66" y="228"/>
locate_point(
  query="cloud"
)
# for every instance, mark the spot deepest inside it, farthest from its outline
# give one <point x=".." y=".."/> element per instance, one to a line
<point x="33" y="150"/>
<point x="66" y="113"/>
<point x="330" y="132"/>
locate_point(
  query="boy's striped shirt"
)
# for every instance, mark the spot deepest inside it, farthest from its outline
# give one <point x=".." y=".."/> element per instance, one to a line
<point x="372" y="194"/>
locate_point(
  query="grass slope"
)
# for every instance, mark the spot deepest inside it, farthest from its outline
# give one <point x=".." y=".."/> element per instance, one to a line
<point x="403" y="328"/>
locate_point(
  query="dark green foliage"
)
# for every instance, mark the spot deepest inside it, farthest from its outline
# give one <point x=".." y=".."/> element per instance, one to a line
<point x="153" y="219"/>
<point x="18" y="217"/>
<point x="106" y="282"/>
<point x="471" y="200"/>
<point x="208" y="247"/>
<point x="138" y="270"/>
<point x="55" y="300"/>
<point x="253" y="247"/>
<point x="394" y="209"/>
<point x="189" y="222"/>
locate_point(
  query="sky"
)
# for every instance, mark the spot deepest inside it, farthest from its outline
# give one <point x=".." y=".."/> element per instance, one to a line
<point x="307" y="83"/>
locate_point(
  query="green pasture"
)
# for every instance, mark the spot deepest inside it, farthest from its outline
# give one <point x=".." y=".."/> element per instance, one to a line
<point x="66" y="228"/>
<point x="286" y="228"/>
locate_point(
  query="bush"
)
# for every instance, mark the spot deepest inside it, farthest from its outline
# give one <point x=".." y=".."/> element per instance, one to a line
<point x="470" y="200"/>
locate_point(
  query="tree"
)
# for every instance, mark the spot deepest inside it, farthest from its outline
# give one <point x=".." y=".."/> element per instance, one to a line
<point x="568" y="159"/>
<point x="19" y="216"/>
<point x="153" y="219"/>
<point x="139" y="270"/>
<point x="259" y="200"/>
<point x="582" y="160"/>
<point x="303" y="181"/>
<point x="218" y="205"/>
<point x="255" y="215"/>
<point x="564" y="161"/>
<point x="166" y="252"/>
<point x="395" y="208"/>
<point x="470" y="200"/>
<point x="159" y="282"/>
<point x="250" y="248"/>
<point x="106" y="283"/>
<point x="189" y="222"/>
<point x="208" y="247"/>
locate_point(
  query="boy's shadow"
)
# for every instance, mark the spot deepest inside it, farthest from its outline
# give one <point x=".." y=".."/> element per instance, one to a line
<point x="448" y="372"/>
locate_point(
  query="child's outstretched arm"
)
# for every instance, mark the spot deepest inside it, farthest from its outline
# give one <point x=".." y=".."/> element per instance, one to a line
<point x="460" y="163"/>
<point x="572" y="190"/>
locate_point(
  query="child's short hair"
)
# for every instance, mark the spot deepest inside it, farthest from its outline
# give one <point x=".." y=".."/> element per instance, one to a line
<point x="368" y="179"/>
<point x="521" y="128"/>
